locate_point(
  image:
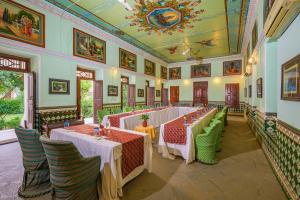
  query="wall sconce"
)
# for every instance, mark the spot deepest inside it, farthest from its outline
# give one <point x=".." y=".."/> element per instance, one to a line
<point x="114" y="71"/>
<point x="217" y="80"/>
<point x="252" y="60"/>
<point x="248" y="69"/>
<point x="186" y="82"/>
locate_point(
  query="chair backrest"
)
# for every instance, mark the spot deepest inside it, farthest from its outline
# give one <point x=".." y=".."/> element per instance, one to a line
<point x="212" y="131"/>
<point x="32" y="149"/>
<point x="102" y="113"/>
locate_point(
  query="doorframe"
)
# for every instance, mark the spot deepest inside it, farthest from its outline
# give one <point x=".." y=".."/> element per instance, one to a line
<point x="202" y="83"/>
<point x="25" y="68"/>
<point x="177" y="86"/>
<point x="146" y="92"/>
<point x="236" y="106"/>
<point x="122" y="84"/>
<point x="81" y="76"/>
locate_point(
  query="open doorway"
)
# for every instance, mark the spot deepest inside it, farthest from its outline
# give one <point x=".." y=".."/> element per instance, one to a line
<point x="17" y="93"/>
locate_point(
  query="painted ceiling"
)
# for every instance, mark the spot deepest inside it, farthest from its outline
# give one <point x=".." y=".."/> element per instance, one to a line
<point x="173" y="30"/>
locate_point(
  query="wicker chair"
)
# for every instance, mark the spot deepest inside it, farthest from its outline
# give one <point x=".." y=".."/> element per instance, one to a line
<point x="72" y="176"/>
<point x="206" y="143"/>
<point x="36" y="178"/>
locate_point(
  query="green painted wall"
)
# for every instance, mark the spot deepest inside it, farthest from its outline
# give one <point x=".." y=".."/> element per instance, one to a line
<point x="216" y="83"/>
<point x="288" y="47"/>
<point x="56" y="61"/>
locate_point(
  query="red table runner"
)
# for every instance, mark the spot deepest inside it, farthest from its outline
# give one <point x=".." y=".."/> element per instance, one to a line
<point x="132" y="146"/>
<point x="115" y="119"/>
<point x="175" y="131"/>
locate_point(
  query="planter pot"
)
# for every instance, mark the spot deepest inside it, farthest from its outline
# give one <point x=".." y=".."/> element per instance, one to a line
<point x="145" y="123"/>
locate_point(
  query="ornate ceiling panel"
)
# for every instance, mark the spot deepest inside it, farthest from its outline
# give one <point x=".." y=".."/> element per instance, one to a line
<point x="173" y="30"/>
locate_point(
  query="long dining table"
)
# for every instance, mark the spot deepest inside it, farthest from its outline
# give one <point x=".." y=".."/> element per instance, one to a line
<point x="178" y="139"/>
<point x="124" y="154"/>
<point x="157" y="117"/>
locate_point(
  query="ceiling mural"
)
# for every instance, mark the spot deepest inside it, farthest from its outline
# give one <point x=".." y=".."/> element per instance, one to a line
<point x="173" y="30"/>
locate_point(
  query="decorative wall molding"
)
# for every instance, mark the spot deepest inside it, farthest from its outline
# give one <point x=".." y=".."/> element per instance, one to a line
<point x="208" y="60"/>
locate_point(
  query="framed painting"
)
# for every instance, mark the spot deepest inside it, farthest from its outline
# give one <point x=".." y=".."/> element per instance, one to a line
<point x="112" y="90"/>
<point x="201" y="70"/>
<point x="149" y="68"/>
<point x="290" y="80"/>
<point x="59" y="86"/>
<point x="88" y="47"/>
<point x="157" y="93"/>
<point x="20" y="23"/>
<point x="259" y="88"/>
<point x="163" y="72"/>
<point x="245" y="92"/>
<point x="267" y="7"/>
<point x="141" y="93"/>
<point x="127" y="60"/>
<point x="250" y="91"/>
<point x="233" y="67"/>
<point x="175" y="73"/>
<point x="254" y="36"/>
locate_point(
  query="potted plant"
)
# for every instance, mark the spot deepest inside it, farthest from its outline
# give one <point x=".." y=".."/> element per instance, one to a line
<point x="145" y="118"/>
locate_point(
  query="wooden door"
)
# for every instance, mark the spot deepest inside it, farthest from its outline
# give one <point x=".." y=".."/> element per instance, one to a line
<point x="174" y="94"/>
<point x="200" y="92"/>
<point x="232" y="96"/>
<point x="165" y="96"/>
<point x="78" y="91"/>
<point x="131" y="95"/>
<point x="150" y="96"/>
<point x="31" y="80"/>
<point x="98" y="99"/>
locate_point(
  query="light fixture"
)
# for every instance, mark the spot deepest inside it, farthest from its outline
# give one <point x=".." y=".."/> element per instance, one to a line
<point x="186" y="51"/>
<point x="248" y="69"/>
<point x="252" y="60"/>
<point x="126" y="5"/>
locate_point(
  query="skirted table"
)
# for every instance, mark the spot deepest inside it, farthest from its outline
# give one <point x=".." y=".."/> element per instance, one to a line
<point x="180" y="140"/>
<point x="150" y="130"/>
<point x="118" y="166"/>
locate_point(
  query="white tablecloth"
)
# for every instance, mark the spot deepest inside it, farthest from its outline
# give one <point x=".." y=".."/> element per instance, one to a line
<point x="187" y="151"/>
<point x="111" y="154"/>
<point x="156" y="117"/>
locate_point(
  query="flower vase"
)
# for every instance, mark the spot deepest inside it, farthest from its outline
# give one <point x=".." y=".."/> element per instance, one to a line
<point x="145" y="123"/>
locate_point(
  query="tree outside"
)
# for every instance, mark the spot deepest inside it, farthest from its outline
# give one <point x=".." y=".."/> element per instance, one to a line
<point x="11" y="99"/>
<point x="86" y="98"/>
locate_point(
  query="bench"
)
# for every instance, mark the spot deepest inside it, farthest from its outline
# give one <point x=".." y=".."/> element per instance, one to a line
<point x="55" y="118"/>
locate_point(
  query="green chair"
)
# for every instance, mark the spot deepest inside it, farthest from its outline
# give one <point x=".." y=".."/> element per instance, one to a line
<point x="71" y="175"/>
<point x="225" y="110"/>
<point x="127" y="109"/>
<point x="206" y="143"/>
<point x="36" y="178"/>
<point x="102" y="113"/>
<point x="138" y="107"/>
<point x="219" y="133"/>
<point x="116" y="110"/>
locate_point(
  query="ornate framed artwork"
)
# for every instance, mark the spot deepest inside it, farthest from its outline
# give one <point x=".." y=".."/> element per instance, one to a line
<point x="233" y="67"/>
<point x="127" y="60"/>
<point x="267" y="7"/>
<point x="20" y="23"/>
<point x="163" y="72"/>
<point x="141" y="93"/>
<point x="149" y="68"/>
<point x="250" y="91"/>
<point x="201" y="70"/>
<point x="254" y="36"/>
<point x="88" y="47"/>
<point x="290" y="80"/>
<point x="112" y="90"/>
<point x="175" y="73"/>
<point x="157" y="92"/>
<point x="259" y="88"/>
<point x="59" y="86"/>
<point x="245" y="92"/>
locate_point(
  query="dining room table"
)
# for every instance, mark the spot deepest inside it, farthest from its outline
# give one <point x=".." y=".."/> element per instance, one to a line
<point x="177" y="136"/>
<point x="124" y="154"/>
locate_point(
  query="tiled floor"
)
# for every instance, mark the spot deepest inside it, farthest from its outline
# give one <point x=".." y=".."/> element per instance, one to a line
<point x="242" y="173"/>
<point x="7" y="136"/>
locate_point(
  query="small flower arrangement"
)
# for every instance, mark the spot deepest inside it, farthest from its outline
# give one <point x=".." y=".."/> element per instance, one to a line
<point x="145" y="118"/>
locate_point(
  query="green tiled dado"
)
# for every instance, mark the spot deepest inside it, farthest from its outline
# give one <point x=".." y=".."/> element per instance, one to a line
<point x="281" y="144"/>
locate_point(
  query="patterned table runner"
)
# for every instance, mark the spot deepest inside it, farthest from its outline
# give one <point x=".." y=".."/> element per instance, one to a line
<point x="132" y="146"/>
<point x="175" y="131"/>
